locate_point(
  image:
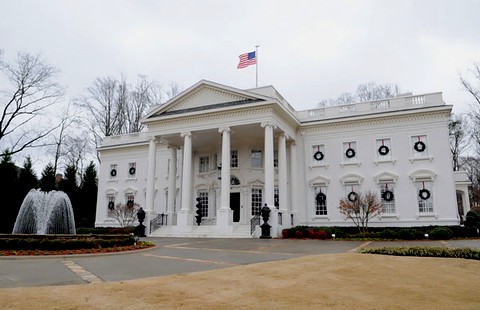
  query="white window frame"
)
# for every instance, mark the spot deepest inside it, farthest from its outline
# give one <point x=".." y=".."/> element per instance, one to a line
<point x="113" y="167"/>
<point x="318" y="206"/>
<point x="386" y="141"/>
<point x="389" y="208"/>
<point x="204" y="201"/>
<point x="234" y="159"/>
<point x="415" y="155"/>
<point x="257" y="204"/>
<point x="318" y="148"/>
<point x="353" y="144"/>
<point x="203" y="167"/>
<point x="255" y="162"/>
<point x="425" y="207"/>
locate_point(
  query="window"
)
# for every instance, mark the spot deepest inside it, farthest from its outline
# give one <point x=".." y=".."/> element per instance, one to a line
<point x="383" y="149"/>
<point x="419" y="146"/>
<point x="110" y="203"/>
<point x="387" y="198"/>
<point x="351" y="190"/>
<point x="318" y="154"/>
<point x="204" y="164"/>
<point x="320" y="200"/>
<point x="256" y="159"/>
<point x="204" y="203"/>
<point x="350" y="152"/>
<point x="234" y="159"/>
<point x="256" y="201"/>
<point x="130" y="200"/>
<point x="113" y="171"/>
<point x="132" y="169"/>
<point x="424" y="196"/>
<point x="275" y="158"/>
<point x="276" y="198"/>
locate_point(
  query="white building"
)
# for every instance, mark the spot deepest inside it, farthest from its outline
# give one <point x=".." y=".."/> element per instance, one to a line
<point x="240" y="149"/>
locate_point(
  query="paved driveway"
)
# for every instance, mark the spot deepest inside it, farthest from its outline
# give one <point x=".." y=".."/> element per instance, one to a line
<point x="173" y="256"/>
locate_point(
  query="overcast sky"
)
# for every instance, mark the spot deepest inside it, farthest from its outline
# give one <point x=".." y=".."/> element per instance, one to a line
<point x="309" y="50"/>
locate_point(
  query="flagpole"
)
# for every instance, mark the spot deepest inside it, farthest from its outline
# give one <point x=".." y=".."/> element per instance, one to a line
<point x="256" y="65"/>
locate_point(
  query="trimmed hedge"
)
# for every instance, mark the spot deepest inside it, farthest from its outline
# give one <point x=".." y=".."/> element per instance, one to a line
<point x="62" y="243"/>
<point x="106" y="230"/>
<point x="466" y="253"/>
<point x="386" y="233"/>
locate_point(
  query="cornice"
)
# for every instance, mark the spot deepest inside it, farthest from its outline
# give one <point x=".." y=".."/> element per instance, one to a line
<point x="374" y="120"/>
<point x="243" y="113"/>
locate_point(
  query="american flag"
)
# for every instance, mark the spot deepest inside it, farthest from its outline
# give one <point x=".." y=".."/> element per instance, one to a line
<point x="246" y="60"/>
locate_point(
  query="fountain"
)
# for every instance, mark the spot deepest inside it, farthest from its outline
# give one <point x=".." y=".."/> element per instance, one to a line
<point x="45" y="213"/>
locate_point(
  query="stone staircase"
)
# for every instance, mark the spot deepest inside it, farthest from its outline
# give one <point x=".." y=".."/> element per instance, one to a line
<point x="203" y="231"/>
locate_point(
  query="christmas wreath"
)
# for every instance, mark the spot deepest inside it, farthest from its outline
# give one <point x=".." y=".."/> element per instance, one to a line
<point x="130" y="203"/>
<point x="352" y="196"/>
<point x="383" y="150"/>
<point x="387" y="195"/>
<point x="419" y="146"/>
<point x="318" y="155"/>
<point x="424" y="194"/>
<point x="350" y="152"/>
<point x="275" y="201"/>
<point x="111" y="205"/>
<point x="113" y="172"/>
<point x="321" y="198"/>
<point x="132" y="171"/>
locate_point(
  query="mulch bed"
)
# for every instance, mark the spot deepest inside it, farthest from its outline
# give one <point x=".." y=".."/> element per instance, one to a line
<point x="114" y="249"/>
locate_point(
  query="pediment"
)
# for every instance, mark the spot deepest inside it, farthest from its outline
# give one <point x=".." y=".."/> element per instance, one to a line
<point x="205" y="95"/>
<point x="385" y="176"/>
<point x="322" y="181"/>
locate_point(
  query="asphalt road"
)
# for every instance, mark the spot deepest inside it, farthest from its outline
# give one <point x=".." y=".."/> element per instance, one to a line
<point x="175" y="256"/>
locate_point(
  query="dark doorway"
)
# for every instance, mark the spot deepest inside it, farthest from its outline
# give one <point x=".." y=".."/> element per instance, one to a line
<point x="235" y="206"/>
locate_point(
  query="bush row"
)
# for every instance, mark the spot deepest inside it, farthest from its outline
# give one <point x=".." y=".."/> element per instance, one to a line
<point x="63" y="244"/>
<point x="466" y="253"/>
<point x="106" y="230"/>
<point x="395" y="233"/>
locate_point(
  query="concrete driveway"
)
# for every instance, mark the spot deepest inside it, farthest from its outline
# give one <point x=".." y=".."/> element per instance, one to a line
<point x="174" y="256"/>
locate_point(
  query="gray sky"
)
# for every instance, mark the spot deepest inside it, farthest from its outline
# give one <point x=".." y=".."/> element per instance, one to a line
<point x="309" y="50"/>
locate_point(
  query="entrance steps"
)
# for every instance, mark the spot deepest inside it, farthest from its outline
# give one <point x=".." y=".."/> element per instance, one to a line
<point x="203" y="231"/>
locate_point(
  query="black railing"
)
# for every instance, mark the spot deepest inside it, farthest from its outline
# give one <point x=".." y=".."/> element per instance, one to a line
<point x="159" y="220"/>
<point x="254" y="222"/>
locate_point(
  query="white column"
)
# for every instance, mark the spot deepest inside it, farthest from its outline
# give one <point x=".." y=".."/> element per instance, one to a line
<point x="269" y="169"/>
<point x="293" y="177"/>
<point x="282" y="173"/>
<point x="224" y="213"/>
<point x="187" y="172"/>
<point x="225" y="194"/>
<point x="152" y="151"/>
<point x="172" y="177"/>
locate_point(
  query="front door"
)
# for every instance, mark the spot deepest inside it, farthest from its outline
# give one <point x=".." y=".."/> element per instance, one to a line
<point x="235" y="206"/>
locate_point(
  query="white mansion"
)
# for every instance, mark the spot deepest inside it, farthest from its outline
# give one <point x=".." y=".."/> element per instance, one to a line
<point x="232" y="151"/>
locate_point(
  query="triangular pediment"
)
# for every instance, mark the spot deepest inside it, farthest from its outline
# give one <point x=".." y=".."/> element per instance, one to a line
<point x="205" y="95"/>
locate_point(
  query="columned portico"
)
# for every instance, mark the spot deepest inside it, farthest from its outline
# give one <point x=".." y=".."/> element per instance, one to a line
<point x="185" y="216"/>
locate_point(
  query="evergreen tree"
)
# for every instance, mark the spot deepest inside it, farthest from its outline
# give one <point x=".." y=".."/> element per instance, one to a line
<point x="8" y="188"/>
<point x="88" y="194"/>
<point x="27" y="179"/>
<point x="70" y="187"/>
<point x="47" y="182"/>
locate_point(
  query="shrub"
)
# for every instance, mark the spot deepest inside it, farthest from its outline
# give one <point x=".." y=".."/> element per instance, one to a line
<point x="285" y="233"/>
<point x="321" y="234"/>
<point x="472" y="219"/>
<point x="440" y="233"/>
<point x="410" y="234"/>
<point x="311" y="234"/>
<point x="388" y="234"/>
<point x="299" y="234"/>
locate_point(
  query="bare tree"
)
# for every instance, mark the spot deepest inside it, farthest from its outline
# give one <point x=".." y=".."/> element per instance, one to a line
<point x="28" y="90"/>
<point x="471" y="84"/>
<point x="125" y="214"/>
<point x="365" y="92"/>
<point x="458" y="132"/>
<point x="144" y="95"/>
<point x="361" y="208"/>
